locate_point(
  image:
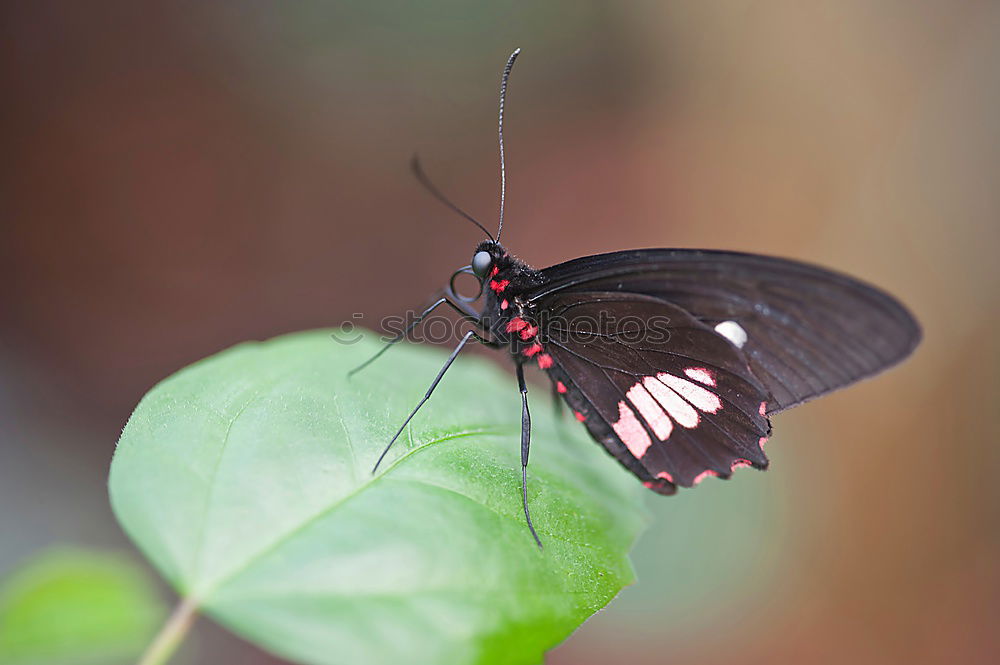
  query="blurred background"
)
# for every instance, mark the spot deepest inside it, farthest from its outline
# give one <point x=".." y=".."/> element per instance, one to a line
<point x="178" y="177"/>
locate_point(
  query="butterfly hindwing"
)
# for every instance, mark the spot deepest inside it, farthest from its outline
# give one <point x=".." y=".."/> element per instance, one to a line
<point x="803" y="330"/>
<point x="669" y="397"/>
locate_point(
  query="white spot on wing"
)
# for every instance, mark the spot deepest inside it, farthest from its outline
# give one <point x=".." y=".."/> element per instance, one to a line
<point x="733" y="332"/>
<point x="650" y="411"/>
<point x="701" y="375"/>
<point x="704" y="400"/>
<point x="630" y="430"/>
<point x="679" y="410"/>
<point x="663" y="400"/>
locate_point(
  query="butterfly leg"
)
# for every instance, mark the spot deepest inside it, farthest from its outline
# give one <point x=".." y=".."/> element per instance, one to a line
<point x="493" y="344"/>
<point x="467" y="313"/>
<point x="399" y="336"/>
<point x="427" y="395"/>
<point x="525" y="446"/>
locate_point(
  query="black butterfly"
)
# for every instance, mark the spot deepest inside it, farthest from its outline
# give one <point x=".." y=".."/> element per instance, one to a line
<point x="673" y="359"/>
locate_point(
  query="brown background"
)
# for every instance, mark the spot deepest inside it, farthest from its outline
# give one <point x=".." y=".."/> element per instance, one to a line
<point x="178" y="177"/>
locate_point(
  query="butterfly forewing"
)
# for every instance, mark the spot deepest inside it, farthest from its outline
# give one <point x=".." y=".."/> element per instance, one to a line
<point x="669" y="397"/>
<point x="803" y="330"/>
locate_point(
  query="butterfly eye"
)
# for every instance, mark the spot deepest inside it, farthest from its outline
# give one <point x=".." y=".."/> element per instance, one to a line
<point x="481" y="263"/>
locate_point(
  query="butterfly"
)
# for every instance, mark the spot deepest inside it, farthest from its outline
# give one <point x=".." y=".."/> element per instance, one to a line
<point x="672" y="359"/>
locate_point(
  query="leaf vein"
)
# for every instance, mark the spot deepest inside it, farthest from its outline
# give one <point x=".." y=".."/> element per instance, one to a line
<point x="200" y="549"/>
<point x="288" y="535"/>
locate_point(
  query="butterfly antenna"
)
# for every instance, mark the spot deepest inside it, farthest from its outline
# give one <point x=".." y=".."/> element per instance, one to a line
<point x="503" y="96"/>
<point x="422" y="178"/>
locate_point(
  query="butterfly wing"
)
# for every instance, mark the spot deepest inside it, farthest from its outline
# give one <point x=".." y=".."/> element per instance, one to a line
<point x="803" y="330"/>
<point x="666" y="395"/>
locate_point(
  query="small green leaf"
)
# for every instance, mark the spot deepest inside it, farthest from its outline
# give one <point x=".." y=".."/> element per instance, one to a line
<point x="75" y="607"/>
<point x="246" y="479"/>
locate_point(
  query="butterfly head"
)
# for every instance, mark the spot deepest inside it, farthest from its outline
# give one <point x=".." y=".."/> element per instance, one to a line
<point x="487" y="259"/>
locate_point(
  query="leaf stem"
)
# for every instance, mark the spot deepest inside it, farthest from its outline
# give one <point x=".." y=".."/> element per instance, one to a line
<point x="171" y="635"/>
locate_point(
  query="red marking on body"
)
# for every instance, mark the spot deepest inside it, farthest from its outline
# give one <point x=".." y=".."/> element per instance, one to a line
<point x="544" y="361"/>
<point x="504" y="305"/>
<point x="762" y="441"/>
<point x="560" y="387"/>
<point x="517" y="323"/>
<point x="701" y="375"/>
<point x="533" y="349"/>
<point x="579" y="416"/>
<point x="496" y="269"/>
<point x="666" y="476"/>
<point x="499" y="286"/>
<point x="703" y="475"/>
<point x="763" y="409"/>
<point x="740" y="464"/>
<point x="528" y="331"/>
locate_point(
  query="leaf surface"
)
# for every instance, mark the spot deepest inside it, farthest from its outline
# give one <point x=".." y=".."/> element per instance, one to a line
<point x="246" y="479"/>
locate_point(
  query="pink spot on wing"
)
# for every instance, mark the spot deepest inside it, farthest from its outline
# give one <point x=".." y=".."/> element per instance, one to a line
<point x="560" y="387"/>
<point x="544" y="361"/>
<point x="679" y="410"/>
<point x="499" y="286"/>
<point x="763" y="409"/>
<point x="702" y="399"/>
<point x="496" y="269"/>
<point x="701" y="375"/>
<point x="631" y="432"/>
<point x="517" y="323"/>
<point x="703" y="475"/>
<point x="504" y="304"/>
<point x="651" y="411"/>
<point x="533" y="349"/>
<point x="666" y="476"/>
<point x="579" y="416"/>
<point x="528" y="331"/>
<point x="740" y="464"/>
<point x="762" y="441"/>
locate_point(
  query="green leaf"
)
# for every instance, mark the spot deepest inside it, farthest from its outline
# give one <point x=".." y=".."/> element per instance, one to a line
<point x="75" y="607"/>
<point x="246" y="479"/>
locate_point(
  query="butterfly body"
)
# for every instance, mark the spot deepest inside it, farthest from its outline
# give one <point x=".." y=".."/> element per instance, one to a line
<point x="506" y="315"/>
<point x="628" y="365"/>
